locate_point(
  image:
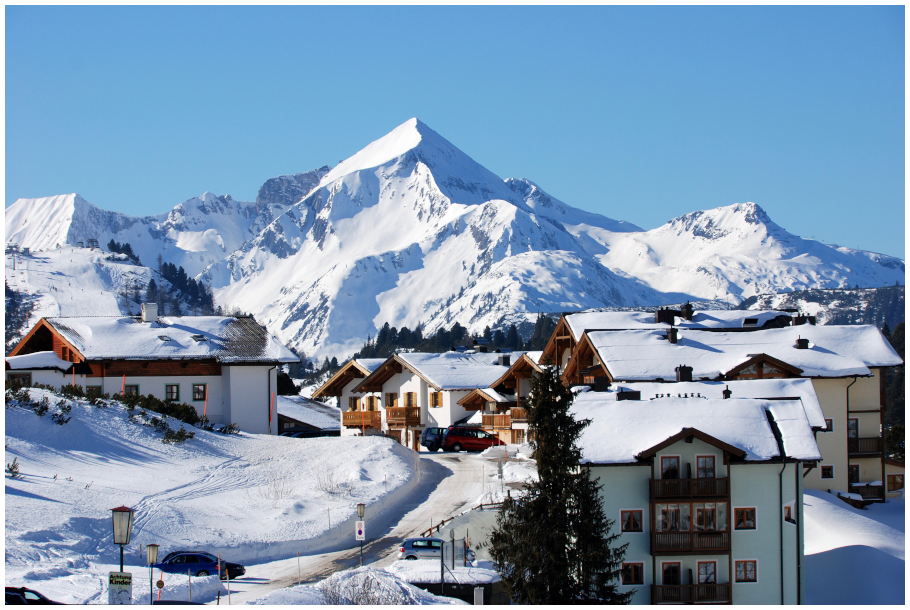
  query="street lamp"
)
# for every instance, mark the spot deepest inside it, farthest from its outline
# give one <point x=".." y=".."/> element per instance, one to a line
<point x="151" y="553"/>
<point x="122" y="518"/>
<point x="361" y="507"/>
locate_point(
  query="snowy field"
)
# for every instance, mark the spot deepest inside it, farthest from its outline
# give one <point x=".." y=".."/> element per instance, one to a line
<point x="251" y="498"/>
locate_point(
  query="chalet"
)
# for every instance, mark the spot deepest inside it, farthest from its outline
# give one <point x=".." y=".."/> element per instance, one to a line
<point x="843" y="362"/>
<point x="224" y="366"/>
<point x="301" y="414"/>
<point x="707" y="492"/>
<point x="415" y="390"/>
<point x="360" y="413"/>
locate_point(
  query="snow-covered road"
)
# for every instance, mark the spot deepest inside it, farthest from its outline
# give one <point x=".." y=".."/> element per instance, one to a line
<point x="448" y="485"/>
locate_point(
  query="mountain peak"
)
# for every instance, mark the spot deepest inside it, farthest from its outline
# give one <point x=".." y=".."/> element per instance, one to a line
<point x="392" y="145"/>
<point x="725" y="220"/>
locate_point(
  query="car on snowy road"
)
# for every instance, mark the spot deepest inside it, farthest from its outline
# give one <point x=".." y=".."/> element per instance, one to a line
<point x="24" y="595"/>
<point x="199" y="563"/>
<point x="466" y="438"/>
<point x="425" y="548"/>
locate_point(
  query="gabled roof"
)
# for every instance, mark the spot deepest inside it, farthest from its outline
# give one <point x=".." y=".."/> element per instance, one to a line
<point x="486" y="395"/>
<point x="529" y="361"/>
<point x="684" y="435"/>
<point x="583" y="321"/>
<point x="446" y="371"/>
<point x="621" y="431"/>
<point x="834" y="351"/>
<point x="226" y="339"/>
<point x="356" y="368"/>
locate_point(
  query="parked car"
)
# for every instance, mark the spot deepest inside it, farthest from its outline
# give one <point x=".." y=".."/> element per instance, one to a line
<point x="425" y="548"/>
<point x="24" y="595"/>
<point x="469" y="439"/>
<point x="198" y="563"/>
<point x="431" y="438"/>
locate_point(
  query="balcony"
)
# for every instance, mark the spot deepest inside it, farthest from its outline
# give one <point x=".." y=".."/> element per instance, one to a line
<point x="403" y="416"/>
<point x="497" y="421"/>
<point x="361" y="419"/>
<point x="691" y="594"/>
<point x="519" y="414"/>
<point x="690" y="542"/>
<point x="671" y="489"/>
<point x="862" y="447"/>
<point x="868" y="492"/>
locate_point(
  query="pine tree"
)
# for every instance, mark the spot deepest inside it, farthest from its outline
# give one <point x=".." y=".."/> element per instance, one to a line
<point x="574" y="558"/>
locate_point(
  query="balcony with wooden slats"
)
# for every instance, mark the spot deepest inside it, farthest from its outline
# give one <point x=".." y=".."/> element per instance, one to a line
<point x="519" y="414"/>
<point x="678" y="489"/>
<point x="713" y="593"/>
<point x="403" y="416"/>
<point x="689" y="542"/>
<point x="497" y="421"/>
<point x="864" y="447"/>
<point x="361" y="419"/>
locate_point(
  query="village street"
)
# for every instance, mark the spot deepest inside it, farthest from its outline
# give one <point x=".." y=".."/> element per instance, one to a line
<point x="449" y="484"/>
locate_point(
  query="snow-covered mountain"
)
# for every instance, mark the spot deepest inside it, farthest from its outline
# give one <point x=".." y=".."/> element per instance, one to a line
<point x="410" y="230"/>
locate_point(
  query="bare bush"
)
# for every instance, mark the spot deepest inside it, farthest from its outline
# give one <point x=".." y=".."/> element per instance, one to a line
<point x="361" y="589"/>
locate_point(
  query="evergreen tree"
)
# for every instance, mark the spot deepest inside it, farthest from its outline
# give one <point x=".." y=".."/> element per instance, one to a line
<point x="513" y="341"/>
<point x="553" y="543"/>
<point x="151" y="292"/>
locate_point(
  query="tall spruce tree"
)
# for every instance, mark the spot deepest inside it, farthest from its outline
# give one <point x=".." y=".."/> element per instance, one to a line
<point x="553" y="543"/>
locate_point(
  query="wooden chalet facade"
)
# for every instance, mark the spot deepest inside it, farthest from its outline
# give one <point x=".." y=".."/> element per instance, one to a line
<point x="225" y="367"/>
<point x="360" y="411"/>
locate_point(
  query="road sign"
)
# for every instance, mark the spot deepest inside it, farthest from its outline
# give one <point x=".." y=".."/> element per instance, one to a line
<point x="159" y="584"/>
<point x="358" y="531"/>
<point x="120" y="588"/>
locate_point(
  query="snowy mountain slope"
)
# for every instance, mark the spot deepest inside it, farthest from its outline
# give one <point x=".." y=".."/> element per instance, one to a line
<point x="410" y="230"/>
<point x="878" y="306"/>
<point x="737" y="251"/>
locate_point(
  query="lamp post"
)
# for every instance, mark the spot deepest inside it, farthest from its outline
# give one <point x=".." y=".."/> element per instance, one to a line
<point x="122" y="518"/>
<point x="361" y="507"/>
<point x="151" y="553"/>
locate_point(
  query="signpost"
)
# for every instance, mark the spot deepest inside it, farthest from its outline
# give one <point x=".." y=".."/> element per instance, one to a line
<point x="120" y="588"/>
<point x="359" y="529"/>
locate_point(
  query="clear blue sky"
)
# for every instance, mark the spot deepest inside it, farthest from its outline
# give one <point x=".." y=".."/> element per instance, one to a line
<point x="638" y="113"/>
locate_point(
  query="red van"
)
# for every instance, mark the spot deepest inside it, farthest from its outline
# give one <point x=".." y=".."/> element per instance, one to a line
<point x="460" y="438"/>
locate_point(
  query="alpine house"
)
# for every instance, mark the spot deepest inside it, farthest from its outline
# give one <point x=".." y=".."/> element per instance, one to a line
<point x="223" y="366"/>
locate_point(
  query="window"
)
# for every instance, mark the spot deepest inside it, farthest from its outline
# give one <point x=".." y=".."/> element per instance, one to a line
<point x="670" y="517"/>
<point x="353" y="403"/>
<point x="829" y="425"/>
<point x="852" y="428"/>
<point x="706" y="518"/>
<point x="707" y="572"/>
<point x="744" y="518"/>
<point x="669" y="467"/>
<point x="131" y="390"/>
<point x="22" y="379"/>
<point x="435" y="399"/>
<point x="671" y="573"/>
<point x="172" y="392"/>
<point x="895" y="482"/>
<point x="853" y="473"/>
<point x="630" y="520"/>
<point x="827" y="472"/>
<point x="371" y="403"/>
<point x="410" y="399"/>
<point x="633" y="573"/>
<point x="705" y="466"/>
<point x="391" y="399"/>
<point x="199" y="391"/>
<point x="788" y="513"/>
<point x="746" y="570"/>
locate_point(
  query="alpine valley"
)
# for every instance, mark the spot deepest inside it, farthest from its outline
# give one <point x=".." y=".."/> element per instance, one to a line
<point x="410" y="230"/>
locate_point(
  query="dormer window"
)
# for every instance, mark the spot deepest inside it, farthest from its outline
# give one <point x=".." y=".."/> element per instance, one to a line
<point x="750" y="322"/>
<point x="198" y="338"/>
<point x="164" y="337"/>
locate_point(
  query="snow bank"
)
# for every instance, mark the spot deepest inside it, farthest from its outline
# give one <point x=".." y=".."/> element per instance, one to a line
<point x="427" y="571"/>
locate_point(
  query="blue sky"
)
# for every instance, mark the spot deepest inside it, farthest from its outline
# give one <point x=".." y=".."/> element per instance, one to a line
<point x="638" y="113"/>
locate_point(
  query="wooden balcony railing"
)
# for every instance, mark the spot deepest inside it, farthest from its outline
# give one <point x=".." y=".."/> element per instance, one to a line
<point x="690" y="542"/>
<point x="690" y="488"/>
<point x="519" y="414"/>
<point x="690" y="594"/>
<point x="868" y="492"/>
<point x="864" y="446"/>
<point x="361" y="419"/>
<point x="403" y="416"/>
<point x="497" y="421"/>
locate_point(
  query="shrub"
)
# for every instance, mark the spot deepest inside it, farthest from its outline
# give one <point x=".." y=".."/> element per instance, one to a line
<point x="41" y="407"/>
<point x="12" y="469"/>
<point x="72" y="391"/>
<point x="177" y="436"/>
<point x="60" y="415"/>
<point x="229" y="429"/>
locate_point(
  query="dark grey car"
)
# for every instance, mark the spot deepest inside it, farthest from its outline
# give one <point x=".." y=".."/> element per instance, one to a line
<point x="432" y="438"/>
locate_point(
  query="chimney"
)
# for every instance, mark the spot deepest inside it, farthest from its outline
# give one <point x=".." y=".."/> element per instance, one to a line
<point x="666" y="316"/>
<point x="150" y="312"/>
<point x="673" y="335"/>
<point x="688" y="311"/>
<point x="802" y="343"/>
<point x="504" y="360"/>
<point x="628" y="395"/>
<point x="727" y="393"/>
<point x="601" y="384"/>
<point x="683" y="373"/>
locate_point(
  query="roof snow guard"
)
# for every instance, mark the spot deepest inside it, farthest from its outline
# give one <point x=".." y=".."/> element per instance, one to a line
<point x="227" y="339"/>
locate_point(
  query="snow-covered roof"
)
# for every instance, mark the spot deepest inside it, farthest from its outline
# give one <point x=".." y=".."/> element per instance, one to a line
<point x="310" y="412"/>
<point x="642" y="320"/>
<point x="37" y="360"/>
<point x="225" y="338"/>
<point x="797" y="387"/>
<point x="621" y="430"/>
<point x="370" y="364"/>
<point x="455" y="370"/>
<point x="834" y="351"/>
<point x="534" y="356"/>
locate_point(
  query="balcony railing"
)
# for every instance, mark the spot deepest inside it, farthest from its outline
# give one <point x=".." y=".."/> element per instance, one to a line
<point x="403" y="416"/>
<point x="690" y="488"/>
<point x="690" y="542"/>
<point x="497" y="421"/>
<point x="519" y="414"/>
<point x="690" y="594"/>
<point x="361" y="419"/>
<point x="868" y="492"/>
<point x="864" y="446"/>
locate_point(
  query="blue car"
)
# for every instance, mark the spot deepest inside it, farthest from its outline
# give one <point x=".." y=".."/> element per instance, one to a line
<point x="198" y="563"/>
